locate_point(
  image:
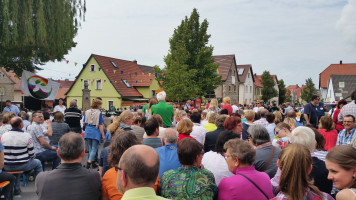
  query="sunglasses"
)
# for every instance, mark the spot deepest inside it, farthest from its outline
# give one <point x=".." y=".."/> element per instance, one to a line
<point x="276" y="132"/>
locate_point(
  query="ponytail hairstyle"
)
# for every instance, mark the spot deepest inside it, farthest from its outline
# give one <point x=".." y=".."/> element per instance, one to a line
<point x="295" y="162"/>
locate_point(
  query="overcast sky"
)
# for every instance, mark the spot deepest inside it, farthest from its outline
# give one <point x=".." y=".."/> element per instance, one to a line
<point x="294" y="39"/>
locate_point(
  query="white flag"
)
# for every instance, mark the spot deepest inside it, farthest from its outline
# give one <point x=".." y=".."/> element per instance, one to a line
<point x="38" y="87"/>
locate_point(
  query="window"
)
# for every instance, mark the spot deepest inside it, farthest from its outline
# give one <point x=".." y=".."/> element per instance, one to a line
<point x="92" y="68"/>
<point x="248" y="75"/>
<point x="235" y="88"/>
<point x="98" y="85"/>
<point x="246" y="89"/>
<point x="250" y="89"/>
<point x="110" y="104"/>
<point x="153" y="93"/>
<point x="112" y="62"/>
<point x="2" y="91"/>
<point x="126" y="83"/>
<point x="229" y="88"/>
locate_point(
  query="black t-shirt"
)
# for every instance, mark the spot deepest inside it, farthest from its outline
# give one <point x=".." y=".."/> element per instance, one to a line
<point x="312" y="113"/>
<point x="72" y="117"/>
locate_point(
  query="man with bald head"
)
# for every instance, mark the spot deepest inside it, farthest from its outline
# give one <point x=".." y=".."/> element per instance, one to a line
<point x="19" y="151"/>
<point x="72" y="116"/>
<point x="168" y="156"/>
<point x="137" y="173"/>
<point x="293" y="115"/>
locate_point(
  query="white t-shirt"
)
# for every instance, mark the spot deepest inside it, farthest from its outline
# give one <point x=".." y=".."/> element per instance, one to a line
<point x="216" y="163"/>
<point x="234" y="108"/>
<point x="198" y="133"/>
<point x="60" y="109"/>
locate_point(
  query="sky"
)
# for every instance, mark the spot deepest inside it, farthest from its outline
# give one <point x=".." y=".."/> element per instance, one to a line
<point x="294" y="39"/>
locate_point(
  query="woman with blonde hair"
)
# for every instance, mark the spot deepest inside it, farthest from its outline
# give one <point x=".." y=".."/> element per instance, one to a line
<point x="277" y="116"/>
<point x="185" y="127"/>
<point x="6" y="126"/>
<point x="291" y="122"/>
<point x="295" y="163"/>
<point x="326" y="128"/>
<point x="124" y="122"/>
<point x="210" y="126"/>
<point x="250" y="116"/>
<point x="341" y="163"/>
<point x="214" y="106"/>
<point x="227" y="105"/>
<point x="94" y="128"/>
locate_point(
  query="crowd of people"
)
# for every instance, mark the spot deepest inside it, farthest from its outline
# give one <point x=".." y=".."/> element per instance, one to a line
<point x="222" y="151"/>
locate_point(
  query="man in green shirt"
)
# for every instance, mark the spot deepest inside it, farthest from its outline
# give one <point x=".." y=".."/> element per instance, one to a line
<point x="137" y="172"/>
<point x="163" y="109"/>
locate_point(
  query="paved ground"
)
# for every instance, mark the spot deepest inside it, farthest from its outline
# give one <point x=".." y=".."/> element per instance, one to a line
<point x="29" y="192"/>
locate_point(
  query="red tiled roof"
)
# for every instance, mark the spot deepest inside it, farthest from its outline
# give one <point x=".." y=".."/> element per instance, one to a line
<point x="129" y="68"/>
<point x="12" y="76"/>
<point x="258" y="80"/>
<point x="63" y="88"/>
<point x="224" y="64"/>
<point x="246" y="69"/>
<point x="337" y="69"/>
<point x="292" y="87"/>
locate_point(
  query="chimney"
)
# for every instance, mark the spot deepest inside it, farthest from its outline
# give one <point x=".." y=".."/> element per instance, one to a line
<point x="340" y="62"/>
<point x="135" y="61"/>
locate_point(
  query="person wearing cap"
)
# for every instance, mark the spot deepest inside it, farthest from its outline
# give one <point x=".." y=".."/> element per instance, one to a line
<point x="163" y="109"/>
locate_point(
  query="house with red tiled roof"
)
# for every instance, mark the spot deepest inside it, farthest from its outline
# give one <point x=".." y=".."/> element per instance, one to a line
<point x="246" y="86"/>
<point x="230" y="80"/>
<point x="258" y="88"/>
<point x="295" y="92"/>
<point x="118" y="82"/>
<point x="10" y="86"/>
<point x="334" y="69"/>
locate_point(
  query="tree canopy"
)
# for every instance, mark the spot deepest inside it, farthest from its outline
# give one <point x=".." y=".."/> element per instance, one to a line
<point x="268" y="90"/>
<point x="190" y="67"/>
<point x="309" y="90"/>
<point x="282" y="91"/>
<point x="33" y="32"/>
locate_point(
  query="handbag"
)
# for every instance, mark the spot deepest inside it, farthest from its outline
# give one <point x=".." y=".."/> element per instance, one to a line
<point x="254" y="185"/>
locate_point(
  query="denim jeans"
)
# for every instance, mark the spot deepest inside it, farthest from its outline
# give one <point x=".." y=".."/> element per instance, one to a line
<point x="93" y="148"/>
<point x="49" y="155"/>
<point x="31" y="164"/>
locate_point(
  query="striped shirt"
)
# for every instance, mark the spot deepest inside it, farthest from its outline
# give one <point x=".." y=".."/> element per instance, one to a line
<point x="18" y="147"/>
<point x="152" y="142"/>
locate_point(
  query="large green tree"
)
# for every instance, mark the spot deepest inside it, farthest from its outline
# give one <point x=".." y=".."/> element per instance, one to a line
<point x="282" y="91"/>
<point x="268" y="90"/>
<point x="190" y="67"/>
<point x="309" y="90"/>
<point x="33" y="32"/>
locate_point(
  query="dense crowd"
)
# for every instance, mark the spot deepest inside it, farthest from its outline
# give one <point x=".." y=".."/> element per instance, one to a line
<point x="164" y="151"/>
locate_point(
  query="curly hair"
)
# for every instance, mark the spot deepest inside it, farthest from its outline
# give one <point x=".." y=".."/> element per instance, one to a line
<point x="119" y="144"/>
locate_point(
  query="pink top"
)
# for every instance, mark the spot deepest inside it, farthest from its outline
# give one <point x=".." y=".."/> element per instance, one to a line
<point x="238" y="187"/>
<point x="228" y="107"/>
<point x="330" y="138"/>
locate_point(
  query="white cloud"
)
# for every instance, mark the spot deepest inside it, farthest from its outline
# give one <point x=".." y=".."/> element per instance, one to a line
<point x="347" y="23"/>
<point x="294" y="39"/>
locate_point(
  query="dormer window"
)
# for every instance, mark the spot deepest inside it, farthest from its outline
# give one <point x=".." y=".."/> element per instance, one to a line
<point x="126" y="83"/>
<point x="112" y="62"/>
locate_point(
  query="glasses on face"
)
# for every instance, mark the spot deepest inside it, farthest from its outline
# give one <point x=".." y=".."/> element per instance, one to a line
<point x="117" y="168"/>
<point x="39" y="116"/>
<point x="276" y="132"/>
<point x="348" y="121"/>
